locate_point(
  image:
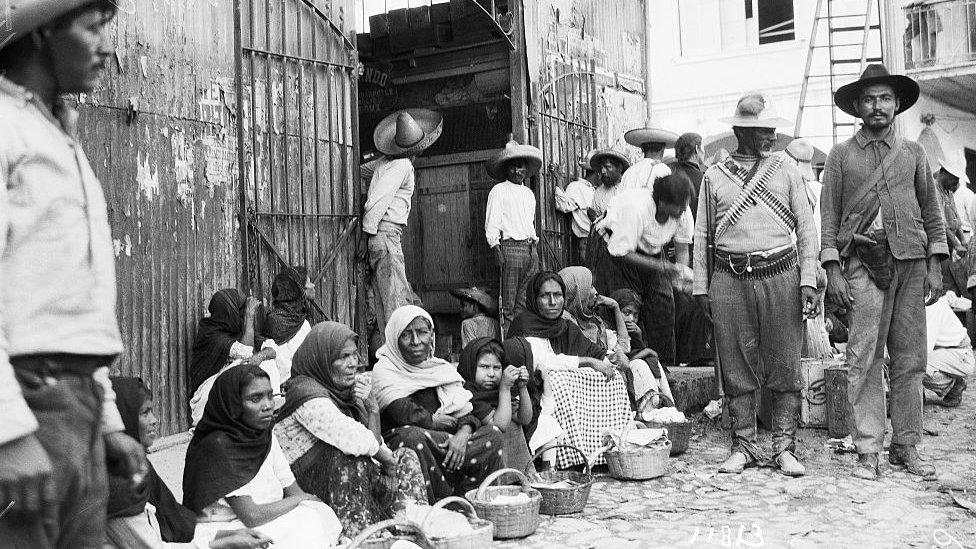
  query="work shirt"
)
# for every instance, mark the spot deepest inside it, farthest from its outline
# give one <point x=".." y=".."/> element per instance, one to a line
<point x="576" y="199"/>
<point x="510" y="213"/>
<point x="631" y="226"/>
<point x="602" y="196"/>
<point x="390" y="191"/>
<point x="965" y="201"/>
<point x="57" y="262"/>
<point x="756" y="230"/>
<point x="644" y="173"/>
<point x="911" y="213"/>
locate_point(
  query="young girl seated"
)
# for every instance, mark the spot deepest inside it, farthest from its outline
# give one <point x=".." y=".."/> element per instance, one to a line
<point x="630" y="305"/>
<point x="492" y="383"/>
<point x="237" y="476"/>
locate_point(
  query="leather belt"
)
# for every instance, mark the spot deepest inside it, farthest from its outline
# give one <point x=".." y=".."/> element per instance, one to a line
<point x="756" y="266"/>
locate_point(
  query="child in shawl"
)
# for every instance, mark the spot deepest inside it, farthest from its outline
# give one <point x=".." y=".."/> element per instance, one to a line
<point x="329" y="429"/>
<point x="630" y="306"/>
<point x="424" y="406"/>
<point x="237" y="476"/>
<point x="501" y="395"/>
<point x="148" y="515"/>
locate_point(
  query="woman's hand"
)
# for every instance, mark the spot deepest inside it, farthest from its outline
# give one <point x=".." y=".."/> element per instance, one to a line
<point x="632" y="327"/>
<point x="607" y="302"/>
<point x="443" y="422"/>
<point x="251" y="307"/>
<point x="456" y="447"/>
<point x="240" y="539"/>
<point x="604" y="368"/>
<point x="364" y="392"/>
<point x="509" y="377"/>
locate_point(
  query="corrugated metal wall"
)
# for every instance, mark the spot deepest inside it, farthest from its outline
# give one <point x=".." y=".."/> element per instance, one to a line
<point x="162" y="140"/>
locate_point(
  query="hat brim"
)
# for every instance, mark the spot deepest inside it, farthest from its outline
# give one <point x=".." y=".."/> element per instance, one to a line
<point x="954" y="170"/>
<point x="384" y="136"/>
<point x="495" y="166"/>
<point x="600" y="155"/>
<point x="772" y="122"/>
<point x="640" y="136"/>
<point x="905" y="88"/>
<point x="28" y="15"/>
<point x="481" y="298"/>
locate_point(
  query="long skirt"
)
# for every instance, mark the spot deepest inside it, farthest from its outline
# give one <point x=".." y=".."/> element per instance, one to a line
<point x="354" y="486"/>
<point x="483" y="457"/>
<point x="311" y="524"/>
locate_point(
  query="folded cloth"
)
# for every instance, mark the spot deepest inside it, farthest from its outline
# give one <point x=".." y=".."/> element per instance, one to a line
<point x="521" y="497"/>
<point x="636" y="438"/>
<point x="663" y="415"/>
<point x="443" y="523"/>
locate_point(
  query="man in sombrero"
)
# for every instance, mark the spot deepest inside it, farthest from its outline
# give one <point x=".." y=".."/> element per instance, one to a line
<point x="883" y="239"/>
<point x="510" y="223"/>
<point x="400" y="137"/>
<point x="755" y="221"/>
<point x="610" y="165"/>
<point x="651" y="142"/>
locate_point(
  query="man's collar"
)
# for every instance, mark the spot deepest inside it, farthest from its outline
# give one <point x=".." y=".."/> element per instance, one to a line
<point x="863" y="139"/>
<point x="63" y="115"/>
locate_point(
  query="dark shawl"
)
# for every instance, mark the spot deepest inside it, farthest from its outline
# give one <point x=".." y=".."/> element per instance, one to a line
<point x="225" y="453"/>
<point x="483" y="401"/>
<point x="312" y="376"/>
<point x="518" y="352"/>
<point x="565" y="337"/>
<point x="176" y="523"/>
<point x="216" y="334"/>
<point x="290" y="305"/>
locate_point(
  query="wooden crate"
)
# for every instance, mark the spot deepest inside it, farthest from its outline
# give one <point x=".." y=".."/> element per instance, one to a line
<point x="813" y="410"/>
<point x="838" y="407"/>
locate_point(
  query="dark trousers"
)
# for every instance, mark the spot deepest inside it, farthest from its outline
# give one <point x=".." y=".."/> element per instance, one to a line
<point x="68" y="408"/>
<point x="521" y="264"/>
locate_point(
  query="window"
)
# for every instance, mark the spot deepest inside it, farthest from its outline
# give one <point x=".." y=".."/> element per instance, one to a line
<point x="708" y="27"/>
<point x="775" y="20"/>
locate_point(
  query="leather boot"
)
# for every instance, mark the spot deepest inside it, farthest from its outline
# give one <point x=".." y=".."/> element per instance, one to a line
<point x="789" y="465"/>
<point x="866" y="466"/>
<point x="953" y="396"/>
<point x="735" y="463"/>
<point x="906" y="455"/>
<point x="785" y="418"/>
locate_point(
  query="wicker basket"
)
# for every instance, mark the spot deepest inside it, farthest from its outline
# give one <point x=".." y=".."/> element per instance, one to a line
<point x="479" y="539"/>
<point x="678" y="433"/>
<point x="640" y="463"/>
<point x="563" y="501"/>
<point x="365" y="538"/>
<point x="511" y="520"/>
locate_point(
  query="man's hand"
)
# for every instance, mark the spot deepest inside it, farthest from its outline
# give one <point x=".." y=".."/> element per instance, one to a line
<point x="456" y="447"/>
<point x="933" y="283"/>
<point x="129" y="454"/>
<point x="811" y="301"/>
<point x="838" y="291"/>
<point x="240" y="539"/>
<point x="704" y="305"/>
<point x="24" y="472"/>
<point x="443" y="422"/>
<point x="499" y="256"/>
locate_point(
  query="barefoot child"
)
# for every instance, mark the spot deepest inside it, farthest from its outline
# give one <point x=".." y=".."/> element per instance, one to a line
<point x="630" y="306"/>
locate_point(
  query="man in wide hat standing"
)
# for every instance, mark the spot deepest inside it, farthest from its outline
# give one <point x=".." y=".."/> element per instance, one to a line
<point x="400" y="137"/>
<point x="755" y="273"/>
<point x="883" y="240"/>
<point x="610" y="165"/>
<point x="651" y="142"/>
<point x="510" y="223"/>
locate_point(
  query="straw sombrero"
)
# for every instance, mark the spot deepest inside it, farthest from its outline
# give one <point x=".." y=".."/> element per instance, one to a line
<point x="513" y="150"/>
<point x="954" y="168"/>
<point x="407" y="132"/>
<point x="598" y="157"/>
<point x="640" y="136"/>
<point x="754" y="111"/>
<point x="801" y="151"/>
<point x="24" y="16"/>
<point x="477" y="295"/>
<point x="905" y="88"/>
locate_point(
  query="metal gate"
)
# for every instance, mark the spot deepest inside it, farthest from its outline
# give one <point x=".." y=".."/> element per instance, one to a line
<point x="297" y="129"/>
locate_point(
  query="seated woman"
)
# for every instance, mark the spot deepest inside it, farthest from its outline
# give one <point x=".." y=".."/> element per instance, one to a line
<point x="287" y="324"/>
<point x="425" y="407"/>
<point x="227" y="338"/>
<point x="501" y="395"/>
<point x="558" y="350"/>
<point x="147" y="515"/>
<point x="237" y="476"/>
<point x="329" y="429"/>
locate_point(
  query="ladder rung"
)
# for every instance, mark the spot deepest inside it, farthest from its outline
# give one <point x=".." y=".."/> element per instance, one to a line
<point x="853" y="29"/>
<point x="845" y="45"/>
<point x="836" y="75"/>
<point x="858" y="60"/>
<point x="819" y="105"/>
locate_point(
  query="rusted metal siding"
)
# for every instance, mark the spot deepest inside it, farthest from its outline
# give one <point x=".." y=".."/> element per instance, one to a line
<point x="161" y="138"/>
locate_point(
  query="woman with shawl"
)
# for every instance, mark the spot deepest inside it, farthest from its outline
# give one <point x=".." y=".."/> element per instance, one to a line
<point x="237" y="476"/>
<point x="148" y="515"/>
<point x="582" y="393"/>
<point x="329" y="429"/>
<point x="425" y="407"/>
<point x="227" y="338"/>
<point x="287" y="324"/>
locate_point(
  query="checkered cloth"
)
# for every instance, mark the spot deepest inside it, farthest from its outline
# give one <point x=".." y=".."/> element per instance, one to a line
<point x="521" y="264"/>
<point x="587" y="405"/>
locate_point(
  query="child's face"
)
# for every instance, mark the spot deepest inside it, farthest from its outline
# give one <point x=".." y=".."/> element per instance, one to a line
<point x="468" y="309"/>
<point x="488" y="372"/>
<point x="631" y="313"/>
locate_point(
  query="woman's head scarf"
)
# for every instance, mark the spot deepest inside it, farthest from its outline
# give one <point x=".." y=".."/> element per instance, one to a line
<point x="225" y="453"/>
<point x="176" y="523"/>
<point x="394" y="378"/>
<point x="483" y="401"/>
<point x="579" y="284"/>
<point x="290" y="305"/>
<point x="216" y="334"/>
<point x="313" y="374"/>
<point x="530" y="322"/>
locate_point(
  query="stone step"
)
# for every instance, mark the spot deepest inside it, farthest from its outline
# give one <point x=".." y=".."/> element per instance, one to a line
<point x="692" y="387"/>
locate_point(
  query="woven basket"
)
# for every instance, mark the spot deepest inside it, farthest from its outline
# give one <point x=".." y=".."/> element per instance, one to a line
<point x="640" y="463"/>
<point x="479" y="539"/>
<point x="563" y="501"/>
<point x="365" y="538"/>
<point x="678" y="433"/>
<point x="511" y="520"/>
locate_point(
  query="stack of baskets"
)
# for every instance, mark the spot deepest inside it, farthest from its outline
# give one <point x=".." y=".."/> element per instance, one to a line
<point x="563" y="500"/>
<point x="627" y="461"/>
<point x="480" y="538"/>
<point x="679" y="433"/>
<point x="511" y="520"/>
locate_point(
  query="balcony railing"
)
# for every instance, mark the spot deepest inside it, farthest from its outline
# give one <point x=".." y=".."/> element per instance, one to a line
<point x="940" y="33"/>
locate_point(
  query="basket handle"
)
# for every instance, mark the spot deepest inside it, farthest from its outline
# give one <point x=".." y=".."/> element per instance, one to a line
<point x="417" y="531"/>
<point x="587" y="471"/>
<point x="472" y="514"/>
<point x="496" y="475"/>
<point x="647" y="398"/>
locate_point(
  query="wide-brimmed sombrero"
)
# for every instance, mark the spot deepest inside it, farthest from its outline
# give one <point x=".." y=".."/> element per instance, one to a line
<point x="408" y="132"/>
<point x="801" y="151"/>
<point x="640" y="136"/>
<point x="513" y="150"/>
<point x="954" y="168"/>
<point x="598" y="157"/>
<point x="23" y="16"/>
<point x="905" y="88"/>
<point x="479" y="296"/>
<point x="754" y="110"/>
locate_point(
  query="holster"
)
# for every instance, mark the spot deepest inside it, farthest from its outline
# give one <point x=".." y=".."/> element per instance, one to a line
<point x="877" y="259"/>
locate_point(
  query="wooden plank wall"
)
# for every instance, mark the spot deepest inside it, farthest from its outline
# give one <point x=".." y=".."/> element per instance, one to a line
<point x="161" y="135"/>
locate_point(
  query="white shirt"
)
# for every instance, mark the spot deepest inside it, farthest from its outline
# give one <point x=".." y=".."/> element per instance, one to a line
<point x="814" y="188"/>
<point x="966" y="206"/>
<point x="389" y="194"/>
<point x="285" y="352"/>
<point x="643" y="174"/>
<point x="510" y="213"/>
<point x="267" y="486"/>
<point x="943" y="328"/>
<point x="577" y="197"/>
<point x="630" y="225"/>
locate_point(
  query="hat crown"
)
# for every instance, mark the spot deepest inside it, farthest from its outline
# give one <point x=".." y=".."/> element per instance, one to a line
<point x="751" y="105"/>
<point x="875" y="70"/>
<point x="801" y="150"/>
<point x="408" y="132"/>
